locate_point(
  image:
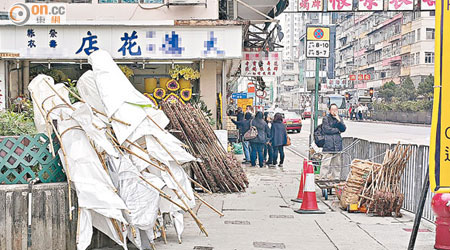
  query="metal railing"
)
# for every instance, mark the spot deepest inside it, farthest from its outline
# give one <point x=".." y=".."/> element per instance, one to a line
<point x="413" y="177"/>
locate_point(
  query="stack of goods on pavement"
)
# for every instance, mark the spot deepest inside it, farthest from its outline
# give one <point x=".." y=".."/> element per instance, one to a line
<point x="353" y="187"/>
<point x="125" y="167"/>
<point x="381" y="194"/>
<point x="217" y="170"/>
<point x="233" y="132"/>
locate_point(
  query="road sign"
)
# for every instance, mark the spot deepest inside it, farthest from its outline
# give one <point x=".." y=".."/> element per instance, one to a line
<point x="318" y="42"/>
<point x="439" y="160"/>
<point x="261" y="93"/>
<point x="238" y="95"/>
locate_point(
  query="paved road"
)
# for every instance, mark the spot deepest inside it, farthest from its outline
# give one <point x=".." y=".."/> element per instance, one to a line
<point x="379" y="132"/>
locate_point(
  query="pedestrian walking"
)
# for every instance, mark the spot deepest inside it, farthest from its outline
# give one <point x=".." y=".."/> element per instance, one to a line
<point x="268" y="151"/>
<point x="239" y="114"/>
<point x="263" y="137"/>
<point x="360" y="112"/>
<point x="278" y="139"/>
<point x="332" y="127"/>
<point x="244" y="126"/>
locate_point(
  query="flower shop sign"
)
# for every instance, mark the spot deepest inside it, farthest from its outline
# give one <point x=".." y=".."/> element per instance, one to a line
<point x="122" y="42"/>
<point x="261" y="64"/>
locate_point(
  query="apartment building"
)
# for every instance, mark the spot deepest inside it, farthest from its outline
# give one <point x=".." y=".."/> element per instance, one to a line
<point x="375" y="48"/>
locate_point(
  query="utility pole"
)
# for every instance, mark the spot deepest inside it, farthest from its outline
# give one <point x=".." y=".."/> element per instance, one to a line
<point x="316" y="95"/>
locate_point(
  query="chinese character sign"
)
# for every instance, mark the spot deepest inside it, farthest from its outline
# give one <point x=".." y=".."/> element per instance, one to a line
<point x="401" y="4"/>
<point x="310" y="5"/>
<point x="258" y="64"/>
<point x="77" y="42"/>
<point x="340" y="5"/>
<point x="427" y="4"/>
<point x="370" y="5"/>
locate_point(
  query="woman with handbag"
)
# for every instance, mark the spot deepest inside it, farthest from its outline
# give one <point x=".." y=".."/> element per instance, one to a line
<point x="261" y="135"/>
<point x="279" y="139"/>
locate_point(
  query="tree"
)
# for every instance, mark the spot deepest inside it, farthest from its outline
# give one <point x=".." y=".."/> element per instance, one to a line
<point x="388" y="91"/>
<point x="425" y="87"/>
<point x="407" y="91"/>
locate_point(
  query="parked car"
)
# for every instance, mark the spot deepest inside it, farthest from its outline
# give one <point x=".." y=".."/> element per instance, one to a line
<point x="293" y="121"/>
<point x="306" y="113"/>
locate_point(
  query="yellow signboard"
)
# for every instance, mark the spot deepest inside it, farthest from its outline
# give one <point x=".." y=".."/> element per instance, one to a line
<point x="439" y="161"/>
<point x="318" y="34"/>
<point x="243" y="103"/>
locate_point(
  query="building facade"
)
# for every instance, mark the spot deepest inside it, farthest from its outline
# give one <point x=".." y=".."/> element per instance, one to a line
<point x="376" y="48"/>
<point x="148" y="37"/>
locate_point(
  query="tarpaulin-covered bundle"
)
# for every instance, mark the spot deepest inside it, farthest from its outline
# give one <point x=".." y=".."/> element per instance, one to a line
<point x="125" y="167"/>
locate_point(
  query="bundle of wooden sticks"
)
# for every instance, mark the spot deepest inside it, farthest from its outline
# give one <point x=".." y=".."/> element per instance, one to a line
<point x="218" y="170"/>
<point x="381" y="194"/>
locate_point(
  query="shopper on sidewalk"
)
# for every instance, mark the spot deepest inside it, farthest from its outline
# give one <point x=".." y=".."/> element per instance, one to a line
<point x="332" y="127"/>
<point x="278" y="139"/>
<point x="244" y="126"/>
<point x="257" y="144"/>
<point x="268" y="150"/>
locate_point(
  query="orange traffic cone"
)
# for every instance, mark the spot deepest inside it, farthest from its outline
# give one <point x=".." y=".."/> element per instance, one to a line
<point x="309" y="205"/>
<point x="302" y="183"/>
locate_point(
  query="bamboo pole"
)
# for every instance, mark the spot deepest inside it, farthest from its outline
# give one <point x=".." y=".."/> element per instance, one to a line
<point x="208" y="205"/>
<point x="196" y="219"/>
<point x="94" y="109"/>
<point x="199" y="185"/>
<point x="47" y="127"/>
<point x="63" y="150"/>
<point x="163" y="194"/>
<point x="117" y="228"/>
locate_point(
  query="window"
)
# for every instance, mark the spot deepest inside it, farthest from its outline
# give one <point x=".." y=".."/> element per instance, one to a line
<point x="417" y="58"/>
<point x="430" y="33"/>
<point x="432" y="13"/>
<point x="418" y="34"/>
<point x="429" y="57"/>
<point x="383" y="74"/>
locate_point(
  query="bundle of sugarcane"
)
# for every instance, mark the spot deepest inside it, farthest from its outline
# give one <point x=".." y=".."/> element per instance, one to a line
<point x="218" y="171"/>
<point x="382" y="195"/>
<point x="359" y="172"/>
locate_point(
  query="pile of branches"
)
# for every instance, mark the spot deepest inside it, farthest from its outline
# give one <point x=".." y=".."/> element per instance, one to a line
<point x="218" y="170"/>
<point x="381" y="194"/>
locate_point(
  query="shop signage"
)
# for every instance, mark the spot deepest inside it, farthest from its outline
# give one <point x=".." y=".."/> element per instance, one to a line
<point x="427" y="4"/>
<point x="122" y="42"/>
<point x="243" y="103"/>
<point x="360" y="77"/>
<point x="318" y="42"/>
<point x="310" y="5"/>
<point x="239" y="95"/>
<point x="9" y="55"/>
<point x="439" y="159"/>
<point x="261" y="64"/>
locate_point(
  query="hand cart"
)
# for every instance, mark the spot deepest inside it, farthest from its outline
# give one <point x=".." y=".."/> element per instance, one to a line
<point x="327" y="185"/>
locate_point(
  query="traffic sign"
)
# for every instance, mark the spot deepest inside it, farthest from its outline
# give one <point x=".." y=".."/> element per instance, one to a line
<point x="318" y="33"/>
<point x="439" y="160"/>
<point x="318" y="42"/>
<point x="261" y="93"/>
<point x="238" y="95"/>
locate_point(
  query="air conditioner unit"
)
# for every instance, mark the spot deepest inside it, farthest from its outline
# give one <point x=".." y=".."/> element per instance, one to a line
<point x="187" y="2"/>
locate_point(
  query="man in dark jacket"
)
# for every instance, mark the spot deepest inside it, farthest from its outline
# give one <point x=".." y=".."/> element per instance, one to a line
<point x="278" y="135"/>
<point x="244" y="126"/>
<point x="332" y="127"/>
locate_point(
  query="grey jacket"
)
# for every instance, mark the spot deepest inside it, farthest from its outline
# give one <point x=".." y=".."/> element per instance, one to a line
<point x="332" y="130"/>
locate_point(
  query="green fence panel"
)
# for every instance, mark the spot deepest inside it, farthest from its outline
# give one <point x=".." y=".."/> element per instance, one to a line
<point x="23" y="158"/>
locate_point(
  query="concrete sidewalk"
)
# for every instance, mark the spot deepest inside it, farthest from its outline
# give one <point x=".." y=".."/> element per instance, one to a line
<point x="263" y="218"/>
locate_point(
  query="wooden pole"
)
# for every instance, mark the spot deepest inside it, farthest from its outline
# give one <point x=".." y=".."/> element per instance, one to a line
<point x="208" y="205"/>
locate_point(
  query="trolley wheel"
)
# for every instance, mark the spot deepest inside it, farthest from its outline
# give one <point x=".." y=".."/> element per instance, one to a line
<point x="325" y="193"/>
